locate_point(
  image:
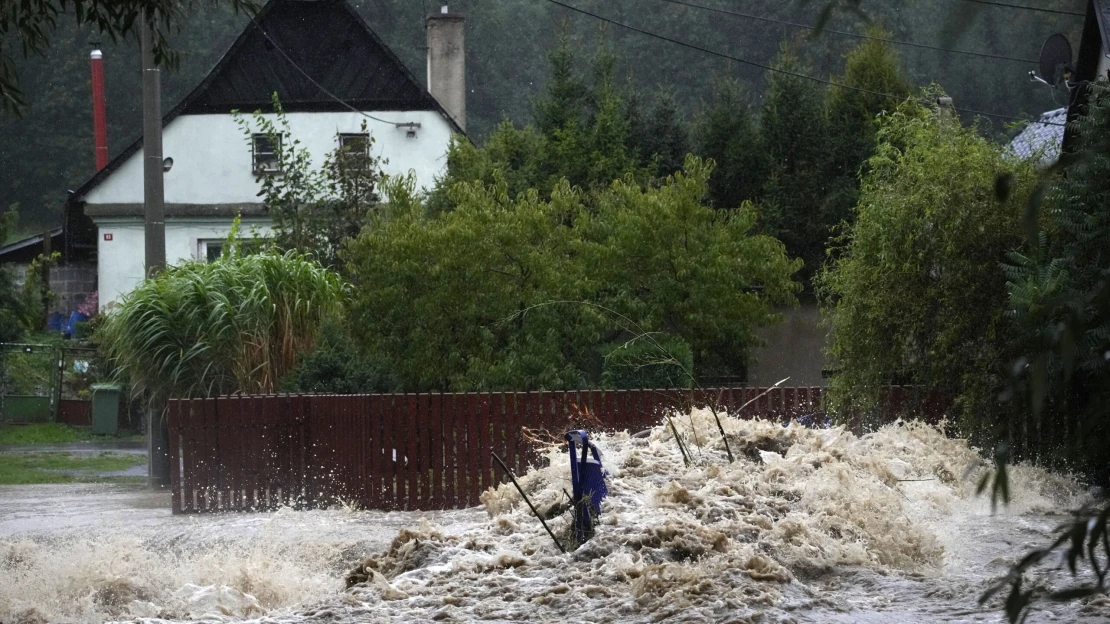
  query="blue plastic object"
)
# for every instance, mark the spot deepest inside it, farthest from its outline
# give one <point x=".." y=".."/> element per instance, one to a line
<point x="70" y="329"/>
<point x="587" y="477"/>
<point x="54" y="321"/>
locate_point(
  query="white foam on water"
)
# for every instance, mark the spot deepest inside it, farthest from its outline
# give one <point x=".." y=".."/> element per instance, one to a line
<point x="806" y="525"/>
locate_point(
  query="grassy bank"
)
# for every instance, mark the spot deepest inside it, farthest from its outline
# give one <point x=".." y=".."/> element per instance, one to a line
<point x="54" y="433"/>
<point x="26" y="468"/>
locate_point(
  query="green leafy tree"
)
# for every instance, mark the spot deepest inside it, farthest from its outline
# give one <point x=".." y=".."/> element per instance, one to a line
<point x="794" y="133"/>
<point x="449" y="300"/>
<point x="314" y="210"/>
<point x="726" y="133"/>
<point x="917" y="294"/>
<point x="665" y="259"/>
<point x="524" y="292"/>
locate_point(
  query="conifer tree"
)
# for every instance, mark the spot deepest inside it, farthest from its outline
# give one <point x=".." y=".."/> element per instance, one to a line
<point x="726" y="133"/>
<point x="794" y="135"/>
<point x="871" y="68"/>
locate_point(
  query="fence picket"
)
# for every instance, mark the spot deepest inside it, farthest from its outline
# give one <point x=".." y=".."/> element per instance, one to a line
<point x="426" y="451"/>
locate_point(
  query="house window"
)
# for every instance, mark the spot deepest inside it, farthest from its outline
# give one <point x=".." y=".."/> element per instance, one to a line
<point x="266" y="153"/>
<point x="210" y="250"/>
<point x="354" y="149"/>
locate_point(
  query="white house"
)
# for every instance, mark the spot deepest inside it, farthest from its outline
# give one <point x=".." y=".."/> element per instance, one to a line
<point x="331" y="73"/>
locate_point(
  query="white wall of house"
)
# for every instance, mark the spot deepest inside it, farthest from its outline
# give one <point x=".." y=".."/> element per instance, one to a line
<point x="121" y="248"/>
<point x="212" y="162"/>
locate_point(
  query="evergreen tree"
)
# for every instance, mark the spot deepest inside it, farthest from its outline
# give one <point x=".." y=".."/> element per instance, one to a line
<point x="871" y="68"/>
<point x="794" y="134"/>
<point x="726" y="133"/>
<point x="659" y="140"/>
<point x="564" y="100"/>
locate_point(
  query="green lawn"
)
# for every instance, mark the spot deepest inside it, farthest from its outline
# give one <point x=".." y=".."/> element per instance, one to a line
<point x="24" y="468"/>
<point x="49" y="433"/>
<point x="54" y="433"/>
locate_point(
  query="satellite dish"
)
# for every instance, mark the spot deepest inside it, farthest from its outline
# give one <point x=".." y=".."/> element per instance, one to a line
<point x="1055" y="60"/>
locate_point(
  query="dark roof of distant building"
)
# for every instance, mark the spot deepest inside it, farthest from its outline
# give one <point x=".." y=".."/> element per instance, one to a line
<point x="26" y="249"/>
<point x="326" y="39"/>
<point x="1043" y="138"/>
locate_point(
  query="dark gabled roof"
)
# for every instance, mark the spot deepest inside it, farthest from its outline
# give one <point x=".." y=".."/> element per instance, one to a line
<point x="331" y="43"/>
<point x="326" y="39"/>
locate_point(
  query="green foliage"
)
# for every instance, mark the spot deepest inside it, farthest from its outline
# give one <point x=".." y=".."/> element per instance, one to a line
<point x="523" y="292"/>
<point x="36" y="298"/>
<point x="337" y="366"/>
<point x="314" y="210"/>
<point x="872" y="67"/>
<point x="725" y="132"/>
<point x="794" y="134"/>
<point x="659" y="139"/>
<point x="670" y="263"/>
<point x="918" y="295"/>
<point x="582" y="133"/>
<point x="45" y="433"/>
<point x="1059" y="293"/>
<point x="662" y="362"/>
<point x="11" y="305"/>
<point x="235" y="325"/>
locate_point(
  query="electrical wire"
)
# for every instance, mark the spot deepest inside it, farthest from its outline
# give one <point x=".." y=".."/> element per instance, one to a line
<point x="318" y="85"/>
<point x="850" y="34"/>
<point x="770" y="68"/>
<point x="1027" y="8"/>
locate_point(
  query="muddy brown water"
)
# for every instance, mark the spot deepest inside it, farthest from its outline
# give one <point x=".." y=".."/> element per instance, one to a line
<point x="807" y="526"/>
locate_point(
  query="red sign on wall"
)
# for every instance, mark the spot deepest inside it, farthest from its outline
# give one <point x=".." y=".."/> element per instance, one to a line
<point x="107" y="237"/>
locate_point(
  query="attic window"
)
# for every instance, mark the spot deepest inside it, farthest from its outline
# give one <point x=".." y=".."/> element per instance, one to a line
<point x="266" y="154"/>
<point x="354" y="149"/>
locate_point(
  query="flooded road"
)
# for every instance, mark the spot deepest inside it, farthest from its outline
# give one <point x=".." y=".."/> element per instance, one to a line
<point x="806" y="526"/>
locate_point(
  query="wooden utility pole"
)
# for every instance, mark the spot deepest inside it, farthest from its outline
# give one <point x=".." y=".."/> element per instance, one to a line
<point x="155" y="231"/>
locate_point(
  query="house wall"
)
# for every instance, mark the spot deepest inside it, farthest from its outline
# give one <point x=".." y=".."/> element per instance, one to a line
<point x="212" y="162"/>
<point x="121" y="259"/>
<point x="793" y="348"/>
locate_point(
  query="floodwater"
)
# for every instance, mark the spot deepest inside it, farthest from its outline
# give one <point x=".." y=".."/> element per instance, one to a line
<point x="805" y="526"/>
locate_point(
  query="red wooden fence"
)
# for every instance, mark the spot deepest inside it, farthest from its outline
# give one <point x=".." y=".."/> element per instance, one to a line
<point x="404" y="451"/>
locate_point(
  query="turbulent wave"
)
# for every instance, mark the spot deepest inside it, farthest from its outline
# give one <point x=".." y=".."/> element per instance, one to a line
<point x="805" y="525"/>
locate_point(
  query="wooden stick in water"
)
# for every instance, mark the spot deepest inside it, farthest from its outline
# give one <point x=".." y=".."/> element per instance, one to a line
<point x="530" y="506"/>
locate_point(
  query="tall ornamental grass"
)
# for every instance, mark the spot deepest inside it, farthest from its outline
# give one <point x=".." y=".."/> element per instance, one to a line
<point x="234" y="325"/>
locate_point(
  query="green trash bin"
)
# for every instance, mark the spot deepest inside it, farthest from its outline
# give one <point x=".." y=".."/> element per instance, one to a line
<point x="105" y="409"/>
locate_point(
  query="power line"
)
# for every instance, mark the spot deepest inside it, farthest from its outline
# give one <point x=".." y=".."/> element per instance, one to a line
<point x="768" y="67"/>
<point x="1027" y="8"/>
<point x="318" y="85"/>
<point x="850" y="34"/>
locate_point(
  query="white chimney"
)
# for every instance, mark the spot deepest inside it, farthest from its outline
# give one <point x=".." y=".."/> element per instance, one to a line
<point x="447" y="62"/>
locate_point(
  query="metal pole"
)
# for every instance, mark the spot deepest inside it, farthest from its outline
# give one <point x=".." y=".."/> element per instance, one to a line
<point x="155" y="231"/>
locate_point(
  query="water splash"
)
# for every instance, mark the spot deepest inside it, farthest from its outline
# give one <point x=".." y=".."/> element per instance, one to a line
<point x="807" y="525"/>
